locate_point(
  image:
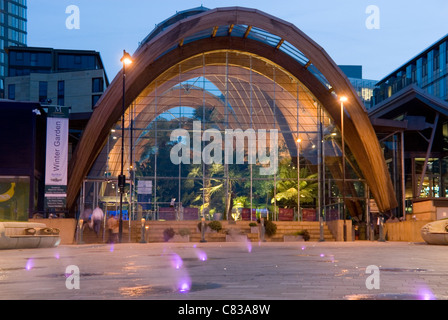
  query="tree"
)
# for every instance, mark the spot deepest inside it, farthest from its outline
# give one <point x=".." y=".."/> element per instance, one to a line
<point x="287" y="191"/>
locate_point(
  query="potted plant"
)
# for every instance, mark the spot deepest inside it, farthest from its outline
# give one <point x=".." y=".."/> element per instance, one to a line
<point x="253" y="227"/>
<point x="215" y="226"/>
<point x="235" y="235"/>
<point x="302" y="235"/>
<point x="270" y="228"/>
<point x="168" y="234"/>
<point x="182" y="236"/>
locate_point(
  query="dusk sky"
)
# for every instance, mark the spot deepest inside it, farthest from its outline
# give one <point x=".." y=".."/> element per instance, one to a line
<point x="405" y="27"/>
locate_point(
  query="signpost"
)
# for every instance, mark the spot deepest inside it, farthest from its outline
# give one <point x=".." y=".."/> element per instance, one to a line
<point x="56" y="158"/>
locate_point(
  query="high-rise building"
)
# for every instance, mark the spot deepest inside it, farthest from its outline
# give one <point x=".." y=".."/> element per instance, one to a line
<point x="13" y="32"/>
<point x="364" y="87"/>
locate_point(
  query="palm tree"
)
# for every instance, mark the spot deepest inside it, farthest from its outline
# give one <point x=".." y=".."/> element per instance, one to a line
<point x="287" y="191"/>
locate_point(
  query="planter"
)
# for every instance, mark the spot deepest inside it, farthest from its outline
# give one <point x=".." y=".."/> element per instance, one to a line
<point x="254" y="230"/>
<point x="293" y="239"/>
<point x="236" y="238"/>
<point x="179" y="238"/>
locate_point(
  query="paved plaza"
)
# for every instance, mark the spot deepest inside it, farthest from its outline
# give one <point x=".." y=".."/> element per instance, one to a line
<point x="227" y="271"/>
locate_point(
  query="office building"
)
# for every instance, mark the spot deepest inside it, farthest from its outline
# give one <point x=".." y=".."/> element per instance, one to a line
<point x="13" y="24"/>
<point x="70" y="78"/>
<point x="410" y="115"/>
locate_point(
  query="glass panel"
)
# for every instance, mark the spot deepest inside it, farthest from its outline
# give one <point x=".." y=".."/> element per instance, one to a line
<point x="225" y="132"/>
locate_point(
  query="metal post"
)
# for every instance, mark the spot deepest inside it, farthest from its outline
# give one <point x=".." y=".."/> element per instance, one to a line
<point x="381" y="230"/>
<point x="143" y="240"/>
<point x="321" y="181"/>
<point x="343" y="169"/>
<point x="203" y="230"/>
<point x="122" y="178"/>
<point x="262" y="230"/>
<point x="80" y="231"/>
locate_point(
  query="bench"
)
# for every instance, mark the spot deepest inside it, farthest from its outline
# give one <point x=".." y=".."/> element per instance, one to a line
<point x="435" y="232"/>
<point x="27" y="235"/>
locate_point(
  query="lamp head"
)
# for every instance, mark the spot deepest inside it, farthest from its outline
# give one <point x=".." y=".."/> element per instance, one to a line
<point x="126" y="59"/>
<point x="343" y="99"/>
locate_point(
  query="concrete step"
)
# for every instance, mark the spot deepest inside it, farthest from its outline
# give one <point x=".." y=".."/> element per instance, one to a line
<point x="154" y="232"/>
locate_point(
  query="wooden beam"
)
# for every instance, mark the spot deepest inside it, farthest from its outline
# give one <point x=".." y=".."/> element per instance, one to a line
<point x="246" y="34"/>
<point x="215" y="30"/>
<point x="280" y="44"/>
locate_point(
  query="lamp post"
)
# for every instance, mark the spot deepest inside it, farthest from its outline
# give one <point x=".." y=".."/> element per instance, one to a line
<point x="343" y="99"/>
<point x="126" y="60"/>
<point x="299" y="216"/>
<point x="143" y="236"/>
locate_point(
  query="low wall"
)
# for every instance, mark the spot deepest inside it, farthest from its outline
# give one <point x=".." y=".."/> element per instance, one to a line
<point x="67" y="228"/>
<point x="408" y="231"/>
<point x="337" y="229"/>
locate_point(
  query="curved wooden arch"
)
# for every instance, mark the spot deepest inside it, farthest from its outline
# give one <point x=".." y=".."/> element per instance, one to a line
<point x="154" y="58"/>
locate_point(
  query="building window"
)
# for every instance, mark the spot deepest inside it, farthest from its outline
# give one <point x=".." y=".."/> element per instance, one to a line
<point x="61" y="93"/>
<point x="95" y="99"/>
<point x="436" y="62"/>
<point x="424" y="68"/>
<point x="43" y="91"/>
<point x="97" y="85"/>
<point x="11" y="91"/>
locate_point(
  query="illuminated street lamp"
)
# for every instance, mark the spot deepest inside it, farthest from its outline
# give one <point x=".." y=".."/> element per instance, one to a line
<point x="126" y="60"/>
<point x="343" y="99"/>
<point x="299" y="217"/>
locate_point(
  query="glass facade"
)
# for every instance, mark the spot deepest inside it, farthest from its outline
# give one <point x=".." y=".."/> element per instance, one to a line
<point x="184" y="156"/>
<point x="13" y="24"/>
<point x="428" y="71"/>
<point x="417" y="156"/>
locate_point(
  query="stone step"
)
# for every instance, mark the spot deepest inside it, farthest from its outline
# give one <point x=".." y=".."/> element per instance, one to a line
<point x="155" y="230"/>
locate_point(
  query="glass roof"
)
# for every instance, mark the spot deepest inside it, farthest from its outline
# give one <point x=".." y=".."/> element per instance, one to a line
<point x="240" y="30"/>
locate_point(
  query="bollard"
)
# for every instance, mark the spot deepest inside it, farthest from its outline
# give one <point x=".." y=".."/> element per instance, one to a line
<point x="321" y="226"/>
<point x="143" y="232"/>
<point x="381" y="231"/>
<point x="80" y="231"/>
<point x="262" y="230"/>
<point x="203" y="230"/>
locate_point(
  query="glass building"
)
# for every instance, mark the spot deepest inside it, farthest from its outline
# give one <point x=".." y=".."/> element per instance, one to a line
<point x="13" y="24"/>
<point x="209" y="113"/>
<point x="410" y="115"/>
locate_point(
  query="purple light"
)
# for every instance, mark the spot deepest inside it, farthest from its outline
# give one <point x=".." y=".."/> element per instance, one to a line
<point x="303" y="248"/>
<point x="57" y="256"/>
<point x="29" y="264"/>
<point x="111" y="248"/>
<point x="322" y="255"/>
<point x="184" y="286"/>
<point x="176" y="262"/>
<point x="426" y="294"/>
<point x="201" y="255"/>
<point x="249" y="246"/>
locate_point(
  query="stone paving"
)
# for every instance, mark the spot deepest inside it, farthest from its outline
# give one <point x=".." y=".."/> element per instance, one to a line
<point x="227" y="271"/>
